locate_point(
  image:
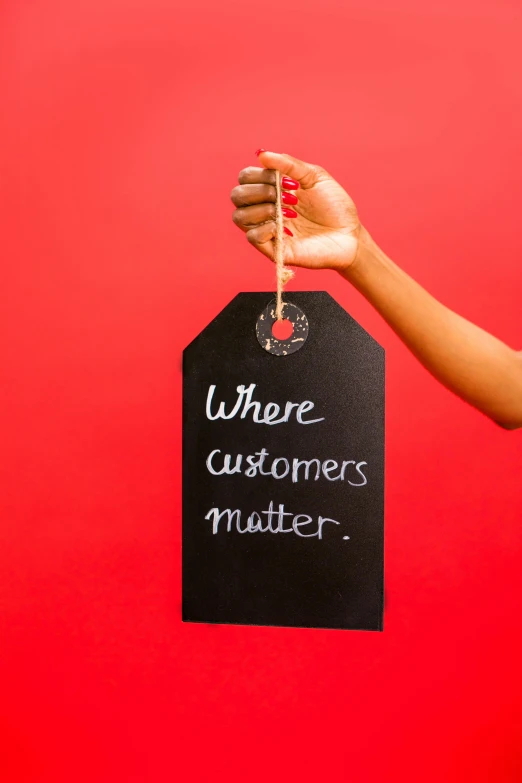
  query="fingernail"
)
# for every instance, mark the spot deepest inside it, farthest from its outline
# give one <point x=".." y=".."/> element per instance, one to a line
<point x="289" y="184"/>
<point x="259" y="151"/>
<point x="288" y="212"/>
<point x="287" y="231"/>
<point x="288" y="198"/>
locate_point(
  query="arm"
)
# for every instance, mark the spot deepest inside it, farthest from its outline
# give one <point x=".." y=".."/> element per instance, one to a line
<point x="325" y="232"/>
<point x="478" y="367"/>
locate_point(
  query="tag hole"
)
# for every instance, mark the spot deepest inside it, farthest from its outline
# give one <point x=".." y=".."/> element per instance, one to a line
<point x="282" y="330"/>
<point x="285" y="337"/>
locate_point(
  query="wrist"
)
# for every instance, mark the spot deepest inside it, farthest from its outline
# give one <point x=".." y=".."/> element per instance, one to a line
<point x="366" y="255"/>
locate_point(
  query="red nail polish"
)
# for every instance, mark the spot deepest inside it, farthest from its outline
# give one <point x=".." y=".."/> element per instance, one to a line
<point x="287" y="231"/>
<point x="288" y="212"/>
<point x="259" y="151"/>
<point x="288" y="198"/>
<point x="289" y="184"/>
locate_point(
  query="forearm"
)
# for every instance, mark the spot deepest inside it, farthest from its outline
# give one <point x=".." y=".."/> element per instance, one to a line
<point x="478" y="367"/>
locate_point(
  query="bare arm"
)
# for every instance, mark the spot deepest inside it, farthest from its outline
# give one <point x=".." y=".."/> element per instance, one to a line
<point x="326" y="233"/>
<point x="478" y="367"/>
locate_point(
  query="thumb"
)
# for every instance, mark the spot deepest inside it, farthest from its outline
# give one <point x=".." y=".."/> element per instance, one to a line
<point x="307" y="174"/>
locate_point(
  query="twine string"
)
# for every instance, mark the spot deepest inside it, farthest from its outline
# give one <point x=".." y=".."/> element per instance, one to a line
<point x="283" y="274"/>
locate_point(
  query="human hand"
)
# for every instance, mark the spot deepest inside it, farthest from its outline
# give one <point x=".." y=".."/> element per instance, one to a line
<point x="320" y="215"/>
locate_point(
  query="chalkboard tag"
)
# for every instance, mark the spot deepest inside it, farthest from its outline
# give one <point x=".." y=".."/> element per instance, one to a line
<point x="283" y="468"/>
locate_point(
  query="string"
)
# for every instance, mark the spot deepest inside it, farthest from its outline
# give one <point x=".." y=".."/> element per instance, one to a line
<point x="283" y="274"/>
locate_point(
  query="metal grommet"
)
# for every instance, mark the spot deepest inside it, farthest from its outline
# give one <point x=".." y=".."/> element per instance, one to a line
<point x="268" y="318"/>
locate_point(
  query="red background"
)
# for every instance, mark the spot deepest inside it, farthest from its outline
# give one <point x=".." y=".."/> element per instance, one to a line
<point x="124" y="127"/>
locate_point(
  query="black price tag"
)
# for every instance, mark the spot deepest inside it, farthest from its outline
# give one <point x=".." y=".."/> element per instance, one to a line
<point x="283" y="468"/>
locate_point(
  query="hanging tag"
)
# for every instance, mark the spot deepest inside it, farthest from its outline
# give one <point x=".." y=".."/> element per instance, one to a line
<point x="283" y="468"/>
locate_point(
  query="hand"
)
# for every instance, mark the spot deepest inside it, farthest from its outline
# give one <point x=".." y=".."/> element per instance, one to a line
<point x="326" y="226"/>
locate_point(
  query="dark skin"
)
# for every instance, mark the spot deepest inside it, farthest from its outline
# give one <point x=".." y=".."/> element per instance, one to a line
<point x="327" y="234"/>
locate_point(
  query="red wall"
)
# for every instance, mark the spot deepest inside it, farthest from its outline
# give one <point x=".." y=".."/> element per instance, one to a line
<point x="124" y="127"/>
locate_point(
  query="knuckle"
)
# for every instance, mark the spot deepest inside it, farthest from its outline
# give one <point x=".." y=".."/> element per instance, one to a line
<point x="237" y="217"/>
<point x="246" y="175"/>
<point x="242" y="195"/>
<point x="320" y="172"/>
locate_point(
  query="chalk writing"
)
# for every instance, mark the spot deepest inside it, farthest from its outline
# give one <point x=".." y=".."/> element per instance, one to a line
<point x="270" y="413"/>
<point x="274" y="522"/>
<point x="281" y="467"/>
<point x="261" y="463"/>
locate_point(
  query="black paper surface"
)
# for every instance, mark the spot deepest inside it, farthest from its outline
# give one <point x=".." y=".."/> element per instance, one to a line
<point x="292" y="578"/>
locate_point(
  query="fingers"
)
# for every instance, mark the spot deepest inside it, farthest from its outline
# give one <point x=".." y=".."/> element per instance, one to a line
<point x="254" y="174"/>
<point x="243" y="195"/>
<point x="250" y="217"/>
<point x="256" y="194"/>
<point x="261" y="237"/>
<point x="308" y="174"/>
<point x="255" y="188"/>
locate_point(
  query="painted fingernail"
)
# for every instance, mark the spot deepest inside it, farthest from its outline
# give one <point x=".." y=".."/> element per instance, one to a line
<point x="259" y="151"/>
<point x="288" y="212"/>
<point x="287" y="231"/>
<point x="288" y="198"/>
<point x="289" y="184"/>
